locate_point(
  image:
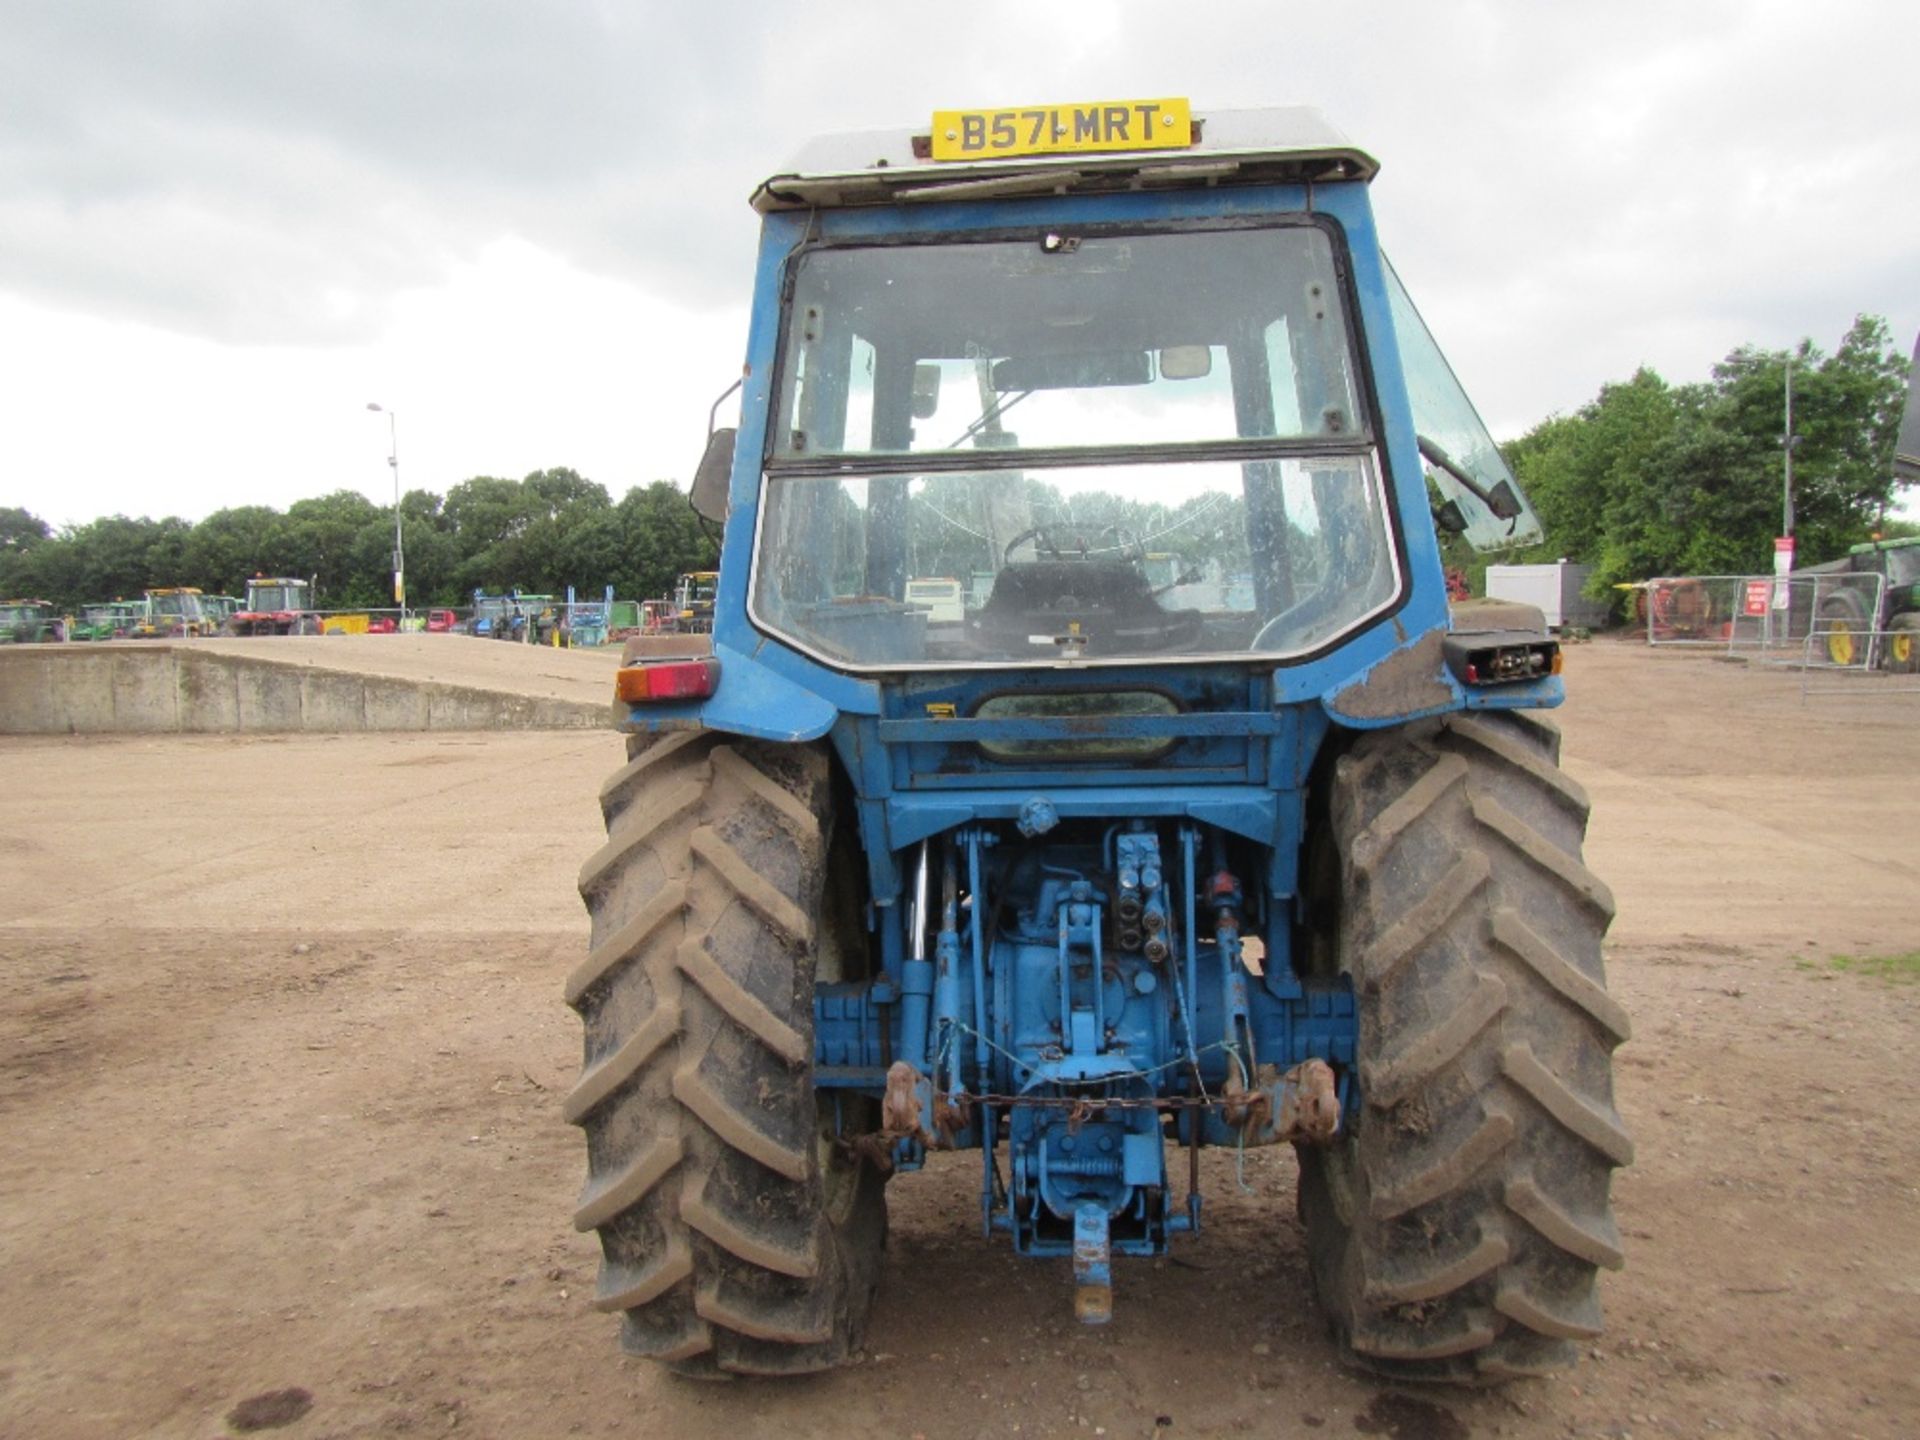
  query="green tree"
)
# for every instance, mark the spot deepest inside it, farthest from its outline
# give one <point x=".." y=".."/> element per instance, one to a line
<point x="20" y="530"/>
<point x="318" y="538"/>
<point x="487" y="516"/>
<point x="1651" y="479"/>
<point x="21" y="534"/>
<point x="230" y="545"/>
<point x="658" y="537"/>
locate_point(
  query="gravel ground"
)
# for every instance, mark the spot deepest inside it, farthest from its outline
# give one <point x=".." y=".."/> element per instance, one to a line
<point x="281" y="1051"/>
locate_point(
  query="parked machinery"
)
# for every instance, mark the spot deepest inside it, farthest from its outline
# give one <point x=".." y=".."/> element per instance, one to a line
<point x="111" y="620"/>
<point x="530" y="619"/>
<point x="1851" y="631"/>
<point x="1890" y="637"/>
<point x="692" y="601"/>
<point x="276" y="605"/>
<point x="1128" y="865"/>
<point x="219" y="611"/>
<point x="174" y="613"/>
<point x="30" y="622"/>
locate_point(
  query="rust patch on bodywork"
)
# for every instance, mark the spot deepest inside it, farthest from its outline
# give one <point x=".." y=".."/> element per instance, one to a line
<point x="1485" y="613"/>
<point x="1407" y="682"/>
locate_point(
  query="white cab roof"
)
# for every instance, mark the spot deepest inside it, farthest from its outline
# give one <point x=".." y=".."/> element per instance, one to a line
<point x="876" y="167"/>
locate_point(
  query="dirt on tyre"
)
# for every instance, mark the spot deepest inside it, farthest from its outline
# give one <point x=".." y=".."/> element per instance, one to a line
<point x="1455" y="1233"/>
<point x="736" y="1237"/>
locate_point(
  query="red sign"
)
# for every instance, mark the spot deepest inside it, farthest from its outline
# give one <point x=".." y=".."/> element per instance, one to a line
<point x="1754" y="601"/>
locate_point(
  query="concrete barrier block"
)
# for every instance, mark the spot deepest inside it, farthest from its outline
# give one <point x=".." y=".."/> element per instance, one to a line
<point x="269" y="698"/>
<point x="29" y="701"/>
<point x="82" y="687"/>
<point x="332" y="700"/>
<point x="450" y="707"/>
<point x="393" y="704"/>
<point x="146" y="690"/>
<point x="209" y="693"/>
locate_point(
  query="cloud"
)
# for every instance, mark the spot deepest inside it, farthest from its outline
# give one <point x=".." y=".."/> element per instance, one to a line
<point x="273" y="173"/>
<point x="1569" y="192"/>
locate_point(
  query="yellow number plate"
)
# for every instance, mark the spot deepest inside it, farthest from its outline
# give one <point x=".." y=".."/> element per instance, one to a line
<point x="1103" y="125"/>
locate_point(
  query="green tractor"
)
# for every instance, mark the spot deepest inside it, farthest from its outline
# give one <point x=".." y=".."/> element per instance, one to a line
<point x="1889" y="638"/>
<point x="112" y="620"/>
<point x="30" y="622"/>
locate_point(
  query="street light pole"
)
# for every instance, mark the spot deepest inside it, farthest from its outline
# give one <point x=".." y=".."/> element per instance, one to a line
<point x="399" y="550"/>
<point x="1786" y="449"/>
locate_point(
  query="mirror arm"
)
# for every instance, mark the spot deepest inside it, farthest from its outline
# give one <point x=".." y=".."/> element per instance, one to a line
<point x="1439" y="458"/>
<point x="713" y="414"/>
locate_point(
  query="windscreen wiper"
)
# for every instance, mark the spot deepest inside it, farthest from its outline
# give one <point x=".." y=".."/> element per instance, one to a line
<point x="993" y="413"/>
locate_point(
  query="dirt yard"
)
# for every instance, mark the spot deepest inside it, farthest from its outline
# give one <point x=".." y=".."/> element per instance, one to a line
<point x="282" y="1048"/>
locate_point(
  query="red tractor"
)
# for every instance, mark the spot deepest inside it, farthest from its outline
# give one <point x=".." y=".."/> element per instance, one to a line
<point x="276" y="606"/>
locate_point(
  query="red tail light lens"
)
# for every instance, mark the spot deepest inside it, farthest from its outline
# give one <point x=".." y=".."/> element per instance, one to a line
<point x="667" y="680"/>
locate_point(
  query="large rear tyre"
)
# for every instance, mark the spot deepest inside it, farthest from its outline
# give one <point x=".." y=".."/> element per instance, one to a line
<point x="737" y="1237"/>
<point x="1456" y="1231"/>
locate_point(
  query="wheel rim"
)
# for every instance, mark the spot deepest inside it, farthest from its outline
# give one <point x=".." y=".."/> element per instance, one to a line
<point x="1839" y="643"/>
<point x="1901" y="648"/>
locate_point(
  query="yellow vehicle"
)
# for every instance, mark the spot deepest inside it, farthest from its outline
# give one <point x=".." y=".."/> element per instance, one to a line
<point x="693" y="601"/>
<point x="174" y="613"/>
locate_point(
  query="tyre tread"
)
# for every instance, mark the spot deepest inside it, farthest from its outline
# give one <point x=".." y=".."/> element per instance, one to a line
<point x="704" y="1183"/>
<point x="1460" y="1237"/>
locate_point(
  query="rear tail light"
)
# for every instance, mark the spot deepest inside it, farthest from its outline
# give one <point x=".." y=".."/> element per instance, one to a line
<point x="1514" y="663"/>
<point x="650" y="684"/>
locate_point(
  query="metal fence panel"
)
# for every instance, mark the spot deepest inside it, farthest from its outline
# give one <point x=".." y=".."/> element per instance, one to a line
<point x="1766" y="617"/>
<point x="1890" y="663"/>
<point x="1836" y="605"/>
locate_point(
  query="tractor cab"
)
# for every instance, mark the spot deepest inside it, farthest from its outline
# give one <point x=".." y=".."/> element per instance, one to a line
<point x="29" y="622"/>
<point x="109" y="621"/>
<point x="174" y="611"/>
<point x="276" y="605"/>
<point x="1128" y="377"/>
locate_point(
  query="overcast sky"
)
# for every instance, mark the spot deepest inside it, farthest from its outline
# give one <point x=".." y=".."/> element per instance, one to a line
<point x="226" y="227"/>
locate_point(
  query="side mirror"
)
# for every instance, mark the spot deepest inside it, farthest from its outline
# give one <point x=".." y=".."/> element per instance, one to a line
<point x="711" y="480"/>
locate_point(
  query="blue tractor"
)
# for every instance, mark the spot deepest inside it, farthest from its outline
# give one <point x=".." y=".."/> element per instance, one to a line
<point x="1205" y="821"/>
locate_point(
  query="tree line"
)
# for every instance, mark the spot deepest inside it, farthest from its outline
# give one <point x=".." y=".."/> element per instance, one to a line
<point x="1651" y="478"/>
<point x="552" y="529"/>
